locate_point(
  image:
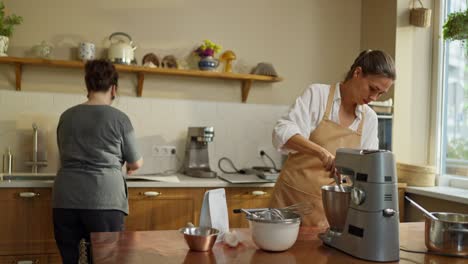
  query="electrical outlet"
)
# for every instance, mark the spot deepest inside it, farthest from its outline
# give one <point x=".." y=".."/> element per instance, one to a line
<point x="264" y="148"/>
<point x="163" y="151"/>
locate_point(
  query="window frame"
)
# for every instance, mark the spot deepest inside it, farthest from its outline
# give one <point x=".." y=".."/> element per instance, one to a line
<point x="438" y="101"/>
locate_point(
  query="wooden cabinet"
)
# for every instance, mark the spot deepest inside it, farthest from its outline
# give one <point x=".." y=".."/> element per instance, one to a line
<point x="163" y="208"/>
<point x="173" y="208"/>
<point x="245" y="198"/>
<point x="401" y="203"/>
<point x="26" y="226"/>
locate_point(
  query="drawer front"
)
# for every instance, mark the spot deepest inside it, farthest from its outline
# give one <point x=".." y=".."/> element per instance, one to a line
<point x="25" y="259"/>
<point x="160" y="193"/>
<point x="27" y="226"/>
<point x="250" y="193"/>
<point x="163" y="208"/>
<point x="250" y="197"/>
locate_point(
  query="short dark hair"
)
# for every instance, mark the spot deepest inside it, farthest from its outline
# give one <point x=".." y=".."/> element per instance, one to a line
<point x="100" y="75"/>
<point x="373" y="62"/>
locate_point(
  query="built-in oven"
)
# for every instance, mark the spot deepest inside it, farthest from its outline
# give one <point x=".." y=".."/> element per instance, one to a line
<point x="385" y="131"/>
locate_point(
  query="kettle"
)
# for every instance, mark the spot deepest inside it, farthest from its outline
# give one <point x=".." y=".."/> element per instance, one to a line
<point x="121" y="52"/>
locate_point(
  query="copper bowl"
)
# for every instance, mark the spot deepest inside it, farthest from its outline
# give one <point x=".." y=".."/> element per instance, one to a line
<point x="200" y="238"/>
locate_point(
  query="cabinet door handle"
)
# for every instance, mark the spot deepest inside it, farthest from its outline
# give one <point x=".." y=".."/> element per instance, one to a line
<point x="28" y="194"/>
<point x="27" y="261"/>
<point x="258" y="193"/>
<point x="152" y="194"/>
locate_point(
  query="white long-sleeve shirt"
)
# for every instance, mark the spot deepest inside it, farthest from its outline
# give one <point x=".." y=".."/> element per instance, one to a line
<point x="308" y="110"/>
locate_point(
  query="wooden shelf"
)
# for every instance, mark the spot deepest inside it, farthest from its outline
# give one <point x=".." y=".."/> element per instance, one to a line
<point x="245" y="79"/>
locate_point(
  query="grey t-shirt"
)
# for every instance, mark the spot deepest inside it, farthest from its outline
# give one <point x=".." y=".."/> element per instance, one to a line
<point x="94" y="142"/>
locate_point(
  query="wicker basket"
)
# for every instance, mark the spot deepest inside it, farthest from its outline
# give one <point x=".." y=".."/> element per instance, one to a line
<point x="416" y="175"/>
<point x="420" y="17"/>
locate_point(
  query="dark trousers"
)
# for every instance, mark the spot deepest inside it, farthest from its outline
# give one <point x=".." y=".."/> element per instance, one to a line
<point x="72" y="225"/>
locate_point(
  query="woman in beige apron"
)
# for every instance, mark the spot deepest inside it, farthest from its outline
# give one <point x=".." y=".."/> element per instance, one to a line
<point x="312" y="165"/>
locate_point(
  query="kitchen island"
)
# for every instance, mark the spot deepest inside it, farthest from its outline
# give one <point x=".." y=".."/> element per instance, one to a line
<point x="169" y="247"/>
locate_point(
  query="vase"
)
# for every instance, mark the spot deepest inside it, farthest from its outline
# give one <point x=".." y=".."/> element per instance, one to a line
<point x="42" y="50"/>
<point x="208" y="63"/>
<point x="3" y="46"/>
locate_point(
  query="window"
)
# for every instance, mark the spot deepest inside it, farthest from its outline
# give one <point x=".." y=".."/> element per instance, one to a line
<point x="454" y="136"/>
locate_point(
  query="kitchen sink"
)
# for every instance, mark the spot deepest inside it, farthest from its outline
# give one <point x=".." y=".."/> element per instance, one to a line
<point x="27" y="177"/>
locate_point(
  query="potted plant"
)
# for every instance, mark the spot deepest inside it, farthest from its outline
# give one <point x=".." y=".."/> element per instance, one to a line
<point x="456" y="27"/>
<point x="206" y="51"/>
<point x="7" y="23"/>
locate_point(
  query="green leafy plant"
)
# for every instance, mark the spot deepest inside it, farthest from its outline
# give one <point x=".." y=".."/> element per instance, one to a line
<point x="456" y="26"/>
<point x="457" y="149"/>
<point x="7" y="22"/>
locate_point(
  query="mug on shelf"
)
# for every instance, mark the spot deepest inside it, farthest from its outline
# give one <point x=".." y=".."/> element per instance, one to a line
<point x="86" y="51"/>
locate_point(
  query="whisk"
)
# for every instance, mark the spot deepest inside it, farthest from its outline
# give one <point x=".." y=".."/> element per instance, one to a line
<point x="302" y="208"/>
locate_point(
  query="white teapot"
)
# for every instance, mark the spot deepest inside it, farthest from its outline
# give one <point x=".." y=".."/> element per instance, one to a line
<point x="121" y="52"/>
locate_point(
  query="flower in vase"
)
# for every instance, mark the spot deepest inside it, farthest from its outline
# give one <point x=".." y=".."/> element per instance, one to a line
<point x="207" y="49"/>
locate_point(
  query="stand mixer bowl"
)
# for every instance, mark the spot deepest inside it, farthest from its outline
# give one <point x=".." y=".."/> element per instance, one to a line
<point x="335" y="201"/>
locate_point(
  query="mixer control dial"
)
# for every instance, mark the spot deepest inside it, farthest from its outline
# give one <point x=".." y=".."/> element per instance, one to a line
<point x="358" y="196"/>
<point x="388" y="212"/>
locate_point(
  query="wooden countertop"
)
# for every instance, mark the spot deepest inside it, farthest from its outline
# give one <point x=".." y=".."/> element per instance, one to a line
<point x="169" y="247"/>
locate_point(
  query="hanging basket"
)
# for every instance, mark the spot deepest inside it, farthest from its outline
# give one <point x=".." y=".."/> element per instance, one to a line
<point x="420" y="17"/>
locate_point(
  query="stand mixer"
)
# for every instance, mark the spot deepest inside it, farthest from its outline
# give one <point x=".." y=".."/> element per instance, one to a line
<point x="371" y="229"/>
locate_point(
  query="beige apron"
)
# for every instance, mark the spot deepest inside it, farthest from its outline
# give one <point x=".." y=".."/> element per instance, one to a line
<point x="303" y="175"/>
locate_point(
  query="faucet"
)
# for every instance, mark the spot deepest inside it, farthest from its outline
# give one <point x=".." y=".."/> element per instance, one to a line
<point x="35" y="164"/>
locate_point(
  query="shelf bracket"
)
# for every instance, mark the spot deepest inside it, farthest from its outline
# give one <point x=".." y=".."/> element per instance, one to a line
<point x="18" y="72"/>
<point x="141" y="80"/>
<point x="246" y="84"/>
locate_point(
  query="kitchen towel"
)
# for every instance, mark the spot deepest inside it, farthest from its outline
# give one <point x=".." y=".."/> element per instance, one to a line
<point x="214" y="211"/>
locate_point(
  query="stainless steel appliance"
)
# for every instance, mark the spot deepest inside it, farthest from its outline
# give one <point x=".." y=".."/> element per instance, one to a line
<point x="196" y="163"/>
<point x="384" y="131"/>
<point x="371" y="229"/>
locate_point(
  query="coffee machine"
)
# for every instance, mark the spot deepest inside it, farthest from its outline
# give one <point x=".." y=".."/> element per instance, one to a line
<point x="196" y="163"/>
<point x="371" y="230"/>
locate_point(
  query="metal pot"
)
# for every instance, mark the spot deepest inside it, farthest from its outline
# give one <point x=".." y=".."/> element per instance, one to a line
<point x="120" y="51"/>
<point x="448" y="234"/>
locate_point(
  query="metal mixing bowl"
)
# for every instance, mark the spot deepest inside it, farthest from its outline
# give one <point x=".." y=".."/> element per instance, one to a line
<point x="200" y="238"/>
<point x="335" y="201"/>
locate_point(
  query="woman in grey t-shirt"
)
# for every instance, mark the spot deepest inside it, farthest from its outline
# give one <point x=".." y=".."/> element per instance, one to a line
<point x="95" y="140"/>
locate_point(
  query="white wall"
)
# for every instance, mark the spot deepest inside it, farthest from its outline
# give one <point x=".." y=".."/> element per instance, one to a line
<point x="306" y="40"/>
<point x="240" y="129"/>
<point x="378" y="29"/>
<point x="413" y="59"/>
<point x="385" y="25"/>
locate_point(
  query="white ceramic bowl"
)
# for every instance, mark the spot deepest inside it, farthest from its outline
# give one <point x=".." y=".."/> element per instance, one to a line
<point x="275" y="235"/>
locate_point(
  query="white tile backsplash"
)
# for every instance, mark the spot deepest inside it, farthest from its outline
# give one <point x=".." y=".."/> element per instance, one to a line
<point x="240" y="129"/>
